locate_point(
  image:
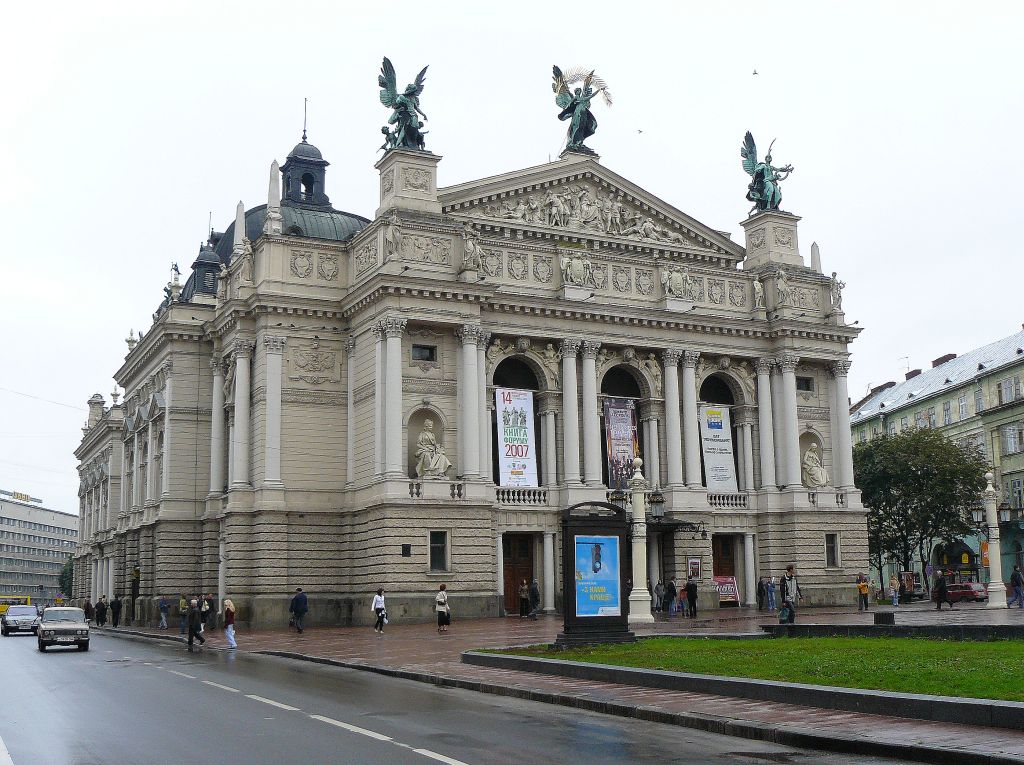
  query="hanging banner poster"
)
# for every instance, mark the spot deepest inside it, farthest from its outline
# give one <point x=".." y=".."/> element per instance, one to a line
<point x="621" y="437"/>
<point x="517" y="458"/>
<point x="597" y="576"/>
<point x="716" y="445"/>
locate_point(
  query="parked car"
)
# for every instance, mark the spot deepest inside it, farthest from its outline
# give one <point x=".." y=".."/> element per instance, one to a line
<point x="63" y="626"/>
<point x="19" y="618"/>
<point x="964" y="591"/>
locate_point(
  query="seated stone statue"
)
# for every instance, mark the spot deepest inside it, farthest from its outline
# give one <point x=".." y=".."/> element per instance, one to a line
<point x="431" y="461"/>
<point x="813" y="472"/>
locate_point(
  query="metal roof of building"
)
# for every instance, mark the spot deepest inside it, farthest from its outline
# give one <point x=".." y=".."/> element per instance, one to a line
<point x="333" y="225"/>
<point x="948" y="376"/>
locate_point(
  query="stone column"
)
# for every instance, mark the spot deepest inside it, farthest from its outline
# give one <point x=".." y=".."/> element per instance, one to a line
<point x="394" y="328"/>
<point x="691" y="438"/>
<point x="779" y="424"/>
<point x="640" y="597"/>
<point x="165" y="477"/>
<point x="591" y="416"/>
<point x="996" y="587"/>
<point x="231" y="444"/>
<point x="483" y="417"/>
<point x="549" y="571"/>
<point x="788" y="363"/>
<point x="765" y="433"/>
<point x="842" y="446"/>
<point x="652" y="455"/>
<point x="748" y="455"/>
<point x="242" y="448"/>
<point x="550" y="449"/>
<point x="469" y="423"/>
<point x="499" y="562"/>
<point x="350" y="411"/>
<point x="138" y="477"/>
<point x="150" y="462"/>
<point x="653" y="564"/>
<point x="272" y="411"/>
<point x="570" y="413"/>
<point x="673" y="420"/>
<point x="217" y="429"/>
<point x="749" y="578"/>
<point x="379" y="394"/>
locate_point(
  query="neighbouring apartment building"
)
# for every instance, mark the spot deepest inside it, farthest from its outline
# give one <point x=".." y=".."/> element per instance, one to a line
<point x="35" y="543"/>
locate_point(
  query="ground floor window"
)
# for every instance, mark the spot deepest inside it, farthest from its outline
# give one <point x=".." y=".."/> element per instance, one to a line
<point x="438" y="550"/>
<point x="831" y="551"/>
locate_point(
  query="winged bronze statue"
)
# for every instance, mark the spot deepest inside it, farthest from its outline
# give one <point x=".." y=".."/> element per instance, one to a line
<point x="763" y="189"/>
<point x="575" y="104"/>
<point x="406" y="131"/>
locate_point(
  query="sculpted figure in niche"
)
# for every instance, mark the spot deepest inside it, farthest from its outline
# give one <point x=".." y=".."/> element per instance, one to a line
<point x="654" y="370"/>
<point x="246" y="271"/>
<point x="222" y="292"/>
<point x="392" y="239"/>
<point x="611" y="210"/>
<point x="758" y="294"/>
<point x="814" y="474"/>
<point x="785" y="292"/>
<point x="472" y="251"/>
<point x="534" y="210"/>
<point x="836" y="291"/>
<point x="431" y="461"/>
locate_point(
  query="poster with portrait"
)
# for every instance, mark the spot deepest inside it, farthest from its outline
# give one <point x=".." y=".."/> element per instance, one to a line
<point x="693" y="568"/>
<point x="716" y="446"/>
<point x="517" y="453"/>
<point x="597" y="563"/>
<point x="621" y="440"/>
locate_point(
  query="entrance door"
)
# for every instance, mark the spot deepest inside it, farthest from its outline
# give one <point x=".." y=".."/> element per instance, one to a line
<point x="723" y="560"/>
<point x="517" y="552"/>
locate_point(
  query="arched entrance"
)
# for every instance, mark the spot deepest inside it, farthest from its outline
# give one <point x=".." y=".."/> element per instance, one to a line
<point x="620" y="390"/>
<point x="514" y="372"/>
<point x="726" y="549"/>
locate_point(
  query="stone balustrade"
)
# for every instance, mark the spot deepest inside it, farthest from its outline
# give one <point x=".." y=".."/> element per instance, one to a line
<point x="728" y="500"/>
<point x="519" y="496"/>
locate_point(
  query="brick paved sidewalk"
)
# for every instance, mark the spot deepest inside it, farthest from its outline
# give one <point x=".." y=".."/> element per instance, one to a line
<point x="418" y="651"/>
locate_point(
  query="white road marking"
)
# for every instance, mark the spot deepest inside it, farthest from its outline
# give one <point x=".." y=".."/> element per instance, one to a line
<point x="222" y="687"/>
<point x="438" y="757"/>
<point x="5" y="756"/>
<point x="182" y="674"/>
<point x="272" y="703"/>
<point x="352" y="728"/>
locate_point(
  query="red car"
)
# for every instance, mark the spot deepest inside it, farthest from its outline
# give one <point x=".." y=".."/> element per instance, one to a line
<point x="964" y="591"/>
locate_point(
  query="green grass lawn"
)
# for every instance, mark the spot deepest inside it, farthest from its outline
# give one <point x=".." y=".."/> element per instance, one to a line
<point x="992" y="670"/>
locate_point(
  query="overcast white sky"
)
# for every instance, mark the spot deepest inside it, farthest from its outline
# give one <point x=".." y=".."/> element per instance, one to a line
<point x="123" y="125"/>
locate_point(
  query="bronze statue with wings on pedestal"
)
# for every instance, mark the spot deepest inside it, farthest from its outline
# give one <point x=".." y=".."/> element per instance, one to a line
<point x="407" y="131"/>
<point x="575" y="105"/>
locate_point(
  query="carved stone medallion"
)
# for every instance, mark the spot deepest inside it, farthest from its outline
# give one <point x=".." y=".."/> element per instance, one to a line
<point x="517" y="266"/>
<point x="621" y="278"/>
<point x="644" y="281"/>
<point x="327" y="268"/>
<point x="366" y="257"/>
<point x="542" y="269"/>
<point x="302" y="264"/>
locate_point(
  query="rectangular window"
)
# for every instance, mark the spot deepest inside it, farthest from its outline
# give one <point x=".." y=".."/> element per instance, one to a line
<point x="1017" y="492"/>
<point x="891" y="428"/>
<point x="1010" y="442"/>
<point x="805" y="384"/>
<point x="863" y="435"/>
<point x="831" y="551"/>
<point x="961" y="404"/>
<point x="919" y="420"/>
<point x="438" y="550"/>
<point x="947" y="413"/>
<point x="904" y="423"/>
<point x="932" y="422"/>
<point x="979" y="401"/>
<point x="424" y="353"/>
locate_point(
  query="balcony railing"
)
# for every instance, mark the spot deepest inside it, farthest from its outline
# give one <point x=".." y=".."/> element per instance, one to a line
<point x="520" y="496"/>
<point x="728" y="500"/>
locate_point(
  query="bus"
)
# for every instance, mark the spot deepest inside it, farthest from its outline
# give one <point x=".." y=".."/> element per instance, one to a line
<point x="13" y="600"/>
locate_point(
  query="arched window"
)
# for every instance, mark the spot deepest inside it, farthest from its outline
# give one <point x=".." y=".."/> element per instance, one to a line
<point x="619" y="382"/>
<point x="308" y="182"/>
<point x="513" y="372"/>
<point x="715" y="390"/>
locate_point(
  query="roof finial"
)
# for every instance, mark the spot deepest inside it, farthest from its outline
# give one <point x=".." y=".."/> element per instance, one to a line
<point x="305" y="103"/>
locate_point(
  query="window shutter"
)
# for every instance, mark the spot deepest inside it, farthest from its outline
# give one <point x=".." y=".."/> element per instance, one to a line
<point x="1016" y="387"/>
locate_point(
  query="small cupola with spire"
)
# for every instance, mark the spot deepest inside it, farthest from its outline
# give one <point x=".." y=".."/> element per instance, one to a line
<point x="304" y="172"/>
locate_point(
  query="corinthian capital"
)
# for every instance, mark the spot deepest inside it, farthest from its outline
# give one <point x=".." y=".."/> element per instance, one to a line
<point x="764" y="365"/>
<point x="690" y="359"/>
<point x="590" y="349"/>
<point x="570" y="346"/>
<point x="394" y="326"/>
<point x="469" y="334"/>
<point x="840" y="368"/>
<point x="274" y="344"/>
<point x="242" y="348"/>
<point x="671" y="357"/>
<point x="788" y="362"/>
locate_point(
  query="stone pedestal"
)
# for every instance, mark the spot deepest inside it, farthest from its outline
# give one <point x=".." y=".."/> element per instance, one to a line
<point x="408" y="181"/>
<point x="677" y="305"/>
<point x="570" y="292"/>
<point x="771" y="237"/>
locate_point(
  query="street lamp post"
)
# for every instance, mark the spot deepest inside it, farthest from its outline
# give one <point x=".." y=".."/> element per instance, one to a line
<point x="639" y="597"/>
<point x="996" y="588"/>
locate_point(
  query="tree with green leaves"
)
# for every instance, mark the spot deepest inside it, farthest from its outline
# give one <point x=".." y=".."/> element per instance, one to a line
<point x="919" y="488"/>
<point x="67" y="577"/>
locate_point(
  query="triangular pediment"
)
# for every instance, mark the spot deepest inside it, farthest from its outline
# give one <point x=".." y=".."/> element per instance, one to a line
<point x="578" y="198"/>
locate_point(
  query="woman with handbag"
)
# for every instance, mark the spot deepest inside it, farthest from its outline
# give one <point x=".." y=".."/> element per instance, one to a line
<point x="381" y="610"/>
<point x="444" y="614"/>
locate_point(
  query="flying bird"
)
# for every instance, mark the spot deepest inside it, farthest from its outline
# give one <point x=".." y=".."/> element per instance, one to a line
<point x="755" y="71"/>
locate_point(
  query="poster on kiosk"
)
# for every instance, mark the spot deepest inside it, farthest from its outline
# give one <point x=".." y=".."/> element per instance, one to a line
<point x="716" y="446"/>
<point x="517" y="453"/>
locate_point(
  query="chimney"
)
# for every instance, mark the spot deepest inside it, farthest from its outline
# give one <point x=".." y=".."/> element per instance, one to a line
<point x="95" y="409"/>
<point x="913" y="373"/>
<point x="883" y="386"/>
<point x="943" y="359"/>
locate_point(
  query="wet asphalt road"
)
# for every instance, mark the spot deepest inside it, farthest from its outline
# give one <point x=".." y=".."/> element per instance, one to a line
<point x="128" y="702"/>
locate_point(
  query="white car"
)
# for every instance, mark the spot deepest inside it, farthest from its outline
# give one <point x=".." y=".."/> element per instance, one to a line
<point x="63" y="626"/>
<point x="19" y="618"/>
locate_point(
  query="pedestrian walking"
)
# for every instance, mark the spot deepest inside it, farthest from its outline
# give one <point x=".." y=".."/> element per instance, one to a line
<point x="204" y="613"/>
<point x="164" y="607"/>
<point x="380" y="610"/>
<point x="789" y="593"/>
<point x="1017" y="582"/>
<point x="298" y="608"/>
<point x="670" y="597"/>
<point x="691" y="597"/>
<point x="894" y="590"/>
<point x="942" y="592"/>
<point x="863" y="589"/>
<point x="115" y="611"/>
<point x="769" y="593"/>
<point x="229" y="623"/>
<point x="524" y="600"/>
<point x="182" y="614"/>
<point x="90" y="612"/>
<point x="210" y="613"/>
<point x="760" y="594"/>
<point x="659" y="593"/>
<point x="101" y="611"/>
<point x="534" y="599"/>
<point x="444" y="613"/>
<point x="195" y="624"/>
